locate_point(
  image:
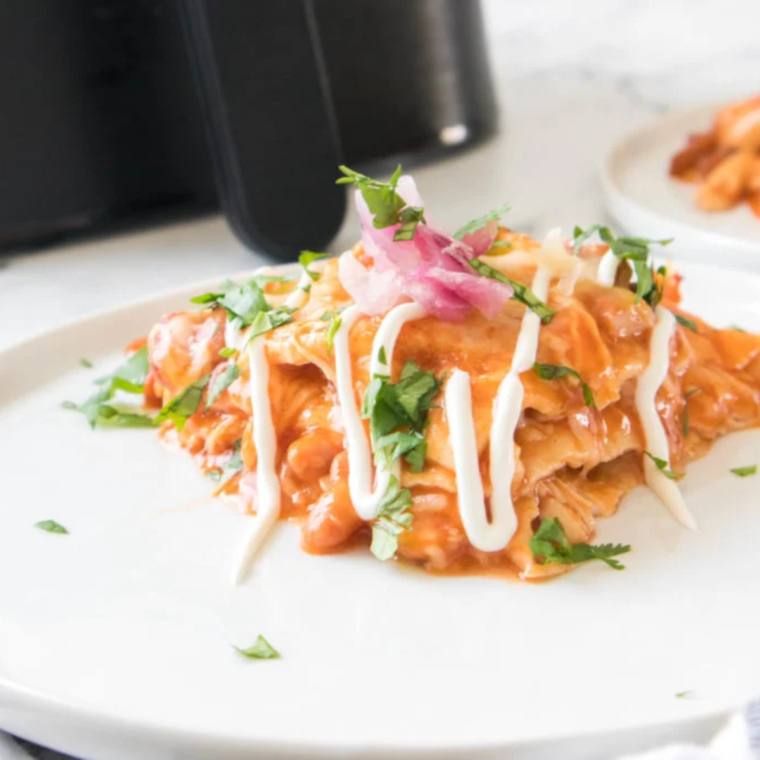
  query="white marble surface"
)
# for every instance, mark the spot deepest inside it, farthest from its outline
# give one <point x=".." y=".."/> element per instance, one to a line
<point x="570" y="77"/>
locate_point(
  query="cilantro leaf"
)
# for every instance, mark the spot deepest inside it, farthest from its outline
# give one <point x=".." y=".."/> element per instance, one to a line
<point x="410" y="217"/>
<point x="265" y="321"/>
<point x="261" y="649"/>
<point x="550" y="544"/>
<point x="245" y="304"/>
<point x="662" y="466"/>
<point x="412" y="446"/>
<point x="129" y="377"/>
<point x="689" y="324"/>
<point x="522" y="293"/>
<point x="86" y="363"/>
<point x="184" y="405"/>
<point x="227" y="352"/>
<point x="51" y="526"/>
<point x="386" y="205"/>
<point x="744" y="472"/>
<point x="398" y="415"/>
<point x="306" y="258"/>
<point x="393" y="518"/>
<point x="222" y="382"/>
<point x="554" y="372"/>
<point x="403" y="404"/>
<point x="478" y="224"/>
<point x="116" y="416"/>
<point x="335" y="322"/>
<point x="633" y="249"/>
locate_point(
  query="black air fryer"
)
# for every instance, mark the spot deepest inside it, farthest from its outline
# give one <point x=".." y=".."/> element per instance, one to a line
<point x="121" y="113"/>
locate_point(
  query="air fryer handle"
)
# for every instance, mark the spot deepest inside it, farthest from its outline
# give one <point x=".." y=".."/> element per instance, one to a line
<point x="274" y="138"/>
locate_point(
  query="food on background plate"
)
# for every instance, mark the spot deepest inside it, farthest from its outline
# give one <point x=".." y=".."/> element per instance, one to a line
<point x="466" y="402"/>
<point x="725" y="161"/>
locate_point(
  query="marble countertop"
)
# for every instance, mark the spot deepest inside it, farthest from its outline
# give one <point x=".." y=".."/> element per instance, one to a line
<point x="568" y="87"/>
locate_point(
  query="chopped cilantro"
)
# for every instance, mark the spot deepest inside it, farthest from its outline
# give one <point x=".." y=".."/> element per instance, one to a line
<point x="247" y="306"/>
<point x="265" y="321"/>
<point x="393" y="518"/>
<point x="482" y="221"/>
<point x="744" y="472"/>
<point x="184" y="405"/>
<point x="382" y="357"/>
<point x="689" y="324"/>
<point x="410" y="217"/>
<point x="412" y="446"/>
<point x="550" y="544"/>
<point x="684" y="694"/>
<point x="51" y="526"/>
<point x="227" y="352"/>
<point x="633" y="249"/>
<point x="86" y="363"/>
<point x="308" y="257"/>
<point x="222" y="382"/>
<point x="662" y="466"/>
<point x="386" y="205"/>
<point x="129" y="377"/>
<point x="554" y="372"/>
<point x="398" y="415"/>
<point x="261" y="649"/>
<point x="404" y="404"/>
<point x="335" y="322"/>
<point x="522" y="293"/>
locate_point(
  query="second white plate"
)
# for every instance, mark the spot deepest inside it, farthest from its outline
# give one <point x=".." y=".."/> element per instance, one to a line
<point x="645" y="200"/>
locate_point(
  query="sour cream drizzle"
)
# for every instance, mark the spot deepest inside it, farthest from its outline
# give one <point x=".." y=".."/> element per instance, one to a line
<point x="366" y="499"/>
<point x="265" y="442"/>
<point x="654" y="432"/>
<point x="298" y="297"/>
<point x="608" y="266"/>
<point x="268" y="502"/>
<point x="494" y="535"/>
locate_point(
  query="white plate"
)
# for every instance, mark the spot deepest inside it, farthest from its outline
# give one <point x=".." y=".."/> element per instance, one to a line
<point x="645" y="200"/>
<point x="115" y="640"/>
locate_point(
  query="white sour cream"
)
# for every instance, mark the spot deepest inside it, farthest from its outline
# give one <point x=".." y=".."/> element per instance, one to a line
<point x="494" y="535"/>
<point x="608" y="266"/>
<point x="366" y="499"/>
<point x="265" y="442"/>
<point x="654" y="432"/>
<point x="299" y="295"/>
